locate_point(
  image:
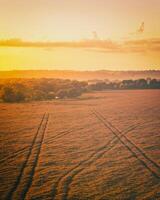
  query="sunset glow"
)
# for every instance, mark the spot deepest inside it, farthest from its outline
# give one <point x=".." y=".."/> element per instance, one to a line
<point x="79" y="34"/>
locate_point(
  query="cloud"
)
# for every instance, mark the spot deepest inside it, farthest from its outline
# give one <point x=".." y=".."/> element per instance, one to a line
<point x="145" y="45"/>
<point x="139" y="31"/>
<point x="108" y="46"/>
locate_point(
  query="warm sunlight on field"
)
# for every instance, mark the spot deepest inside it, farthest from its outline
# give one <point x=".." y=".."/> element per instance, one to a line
<point x="104" y="145"/>
<point x="79" y="100"/>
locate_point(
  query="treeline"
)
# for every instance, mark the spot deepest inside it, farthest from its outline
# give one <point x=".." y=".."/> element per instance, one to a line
<point x="19" y="90"/>
<point x="126" y="84"/>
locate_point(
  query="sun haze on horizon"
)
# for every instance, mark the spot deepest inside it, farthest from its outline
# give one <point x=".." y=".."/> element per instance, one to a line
<point x="79" y="34"/>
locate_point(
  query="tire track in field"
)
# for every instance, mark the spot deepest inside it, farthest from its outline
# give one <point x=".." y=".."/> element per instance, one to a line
<point x="61" y="187"/>
<point x="138" y="148"/>
<point x="138" y="153"/>
<point x="24" y="179"/>
<point x="63" y="133"/>
<point x="17" y="153"/>
<point x="29" y="183"/>
<point x="70" y="179"/>
<point x="20" y="151"/>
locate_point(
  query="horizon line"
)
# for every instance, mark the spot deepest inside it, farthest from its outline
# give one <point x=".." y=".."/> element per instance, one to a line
<point x="72" y="70"/>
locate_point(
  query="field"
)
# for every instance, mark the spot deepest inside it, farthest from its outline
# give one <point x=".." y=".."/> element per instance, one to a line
<point x="104" y="145"/>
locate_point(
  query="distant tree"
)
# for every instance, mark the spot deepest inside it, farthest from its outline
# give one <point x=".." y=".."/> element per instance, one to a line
<point x="155" y="84"/>
<point x="128" y="84"/>
<point x="62" y="94"/>
<point x="1" y="86"/>
<point x="38" y="95"/>
<point x="19" y="96"/>
<point x="98" y="86"/>
<point x="141" y="83"/>
<point x="74" y="92"/>
<point x="50" y="96"/>
<point x="7" y="94"/>
<point x="20" y="92"/>
<point x="11" y="94"/>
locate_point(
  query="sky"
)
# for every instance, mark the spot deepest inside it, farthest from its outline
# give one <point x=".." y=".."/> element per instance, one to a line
<point x="79" y="34"/>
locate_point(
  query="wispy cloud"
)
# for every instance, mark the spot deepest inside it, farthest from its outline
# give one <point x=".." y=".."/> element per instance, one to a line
<point x="92" y="43"/>
<point x="141" y="28"/>
<point x="145" y="45"/>
<point x="96" y="44"/>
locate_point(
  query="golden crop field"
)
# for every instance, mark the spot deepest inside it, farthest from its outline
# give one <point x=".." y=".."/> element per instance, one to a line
<point x="103" y="145"/>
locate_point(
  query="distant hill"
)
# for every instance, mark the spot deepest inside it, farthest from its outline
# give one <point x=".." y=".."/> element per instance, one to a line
<point x="81" y="75"/>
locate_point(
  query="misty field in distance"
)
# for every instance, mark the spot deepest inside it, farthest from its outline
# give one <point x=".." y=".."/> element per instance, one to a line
<point x="103" y="145"/>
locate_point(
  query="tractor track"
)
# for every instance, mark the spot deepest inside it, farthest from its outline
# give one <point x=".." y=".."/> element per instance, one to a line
<point x="138" y="153"/>
<point x="25" y="177"/>
<point x="63" y="133"/>
<point x="62" y="186"/>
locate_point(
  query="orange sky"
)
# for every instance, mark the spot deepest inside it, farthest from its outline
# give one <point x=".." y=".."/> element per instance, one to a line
<point x="80" y="34"/>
